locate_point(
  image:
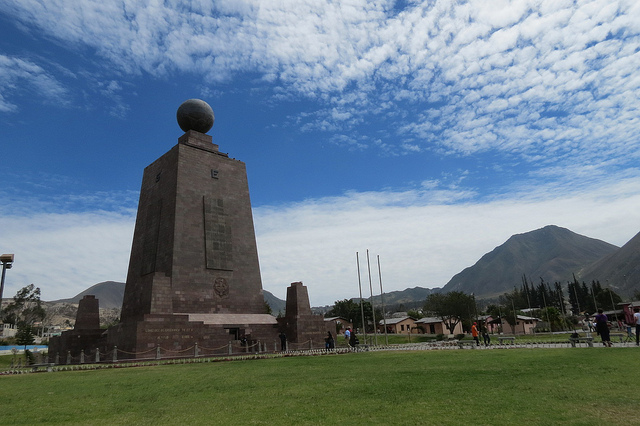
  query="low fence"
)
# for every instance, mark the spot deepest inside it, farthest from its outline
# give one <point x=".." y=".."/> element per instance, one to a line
<point x="117" y="358"/>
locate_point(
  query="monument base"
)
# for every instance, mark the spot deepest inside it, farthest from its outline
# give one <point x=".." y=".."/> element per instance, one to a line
<point x="175" y="335"/>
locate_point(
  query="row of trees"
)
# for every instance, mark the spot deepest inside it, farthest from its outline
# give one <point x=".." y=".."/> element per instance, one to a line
<point x="544" y="300"/>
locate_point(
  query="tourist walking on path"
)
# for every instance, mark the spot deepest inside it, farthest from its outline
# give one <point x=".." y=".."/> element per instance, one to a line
<point x="474" y="333"/>
<point x="602" y="327"/>
<point x="636" y="320"/>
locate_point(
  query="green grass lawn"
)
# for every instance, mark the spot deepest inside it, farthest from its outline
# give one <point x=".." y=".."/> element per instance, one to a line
<point x="586" y="386"/>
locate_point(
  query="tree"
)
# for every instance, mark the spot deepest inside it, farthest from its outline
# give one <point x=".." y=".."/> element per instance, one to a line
<point x="450" y="307"/>
<point x="24" y="336"/>
<point x="350" y="310"/>
<point x="413" y="313"/>
<point x="267" y="308"/>
<point x="26" y="308"/>
<point x="554" y="317"/>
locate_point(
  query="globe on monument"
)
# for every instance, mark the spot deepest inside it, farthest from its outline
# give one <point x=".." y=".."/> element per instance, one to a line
<point x="195" y="114"/>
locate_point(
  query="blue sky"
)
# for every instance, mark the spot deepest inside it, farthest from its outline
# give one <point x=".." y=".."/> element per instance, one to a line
<point x="427" y="132"/>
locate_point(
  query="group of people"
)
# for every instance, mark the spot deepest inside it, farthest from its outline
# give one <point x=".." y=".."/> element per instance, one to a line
<point x="602" y="326"/>
<point x="350" y="336"/>
<point x="485" y="335"/>
<point x="329" y="342"/>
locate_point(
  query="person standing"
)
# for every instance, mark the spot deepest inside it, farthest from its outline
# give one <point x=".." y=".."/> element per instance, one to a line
<point x="602" y="327"/>
<point x="474" y="333"/>
<point x="347" y="334"/>
<point x="636" y="320"/>
<point x="353" y="339"/>
<point x="283" y="341"/>
<point x="328" y="341"/>
<point x="486" y="337"/>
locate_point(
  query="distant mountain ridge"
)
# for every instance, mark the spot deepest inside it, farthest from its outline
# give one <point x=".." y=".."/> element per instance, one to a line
<point x="552" y="253"/>
<point x="109" y="293"/>
<point x="402" y="300"/>
<point x="620" y="270"/>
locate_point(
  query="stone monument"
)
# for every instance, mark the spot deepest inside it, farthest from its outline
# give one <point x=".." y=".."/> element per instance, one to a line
<point x="86" y="332"/>
<point x="299" y="324"/>
<point x="194" y="278"/>
<point x="193" y="273"/>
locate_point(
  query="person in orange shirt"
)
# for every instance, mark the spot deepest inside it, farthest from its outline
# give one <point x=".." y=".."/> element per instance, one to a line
<point x="474" y="333"/>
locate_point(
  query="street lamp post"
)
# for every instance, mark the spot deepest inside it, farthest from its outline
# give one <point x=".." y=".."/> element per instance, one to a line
<point x="7" y="262"/>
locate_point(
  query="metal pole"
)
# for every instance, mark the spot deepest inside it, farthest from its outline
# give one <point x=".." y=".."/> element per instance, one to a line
<point x="364" y="329"/>
<point x="613" y="306"/>
<point x="544" y="300"/>
<point x="593" y="293"/>
<point x="373" y="310"/>
<point x="4" y="268"/>
<point x="384" y="317"/>
<point x="526" y="289"/>
<point x="564" y="310"/>
<point x="575" y="293"/>
<point x="515" y="318"/>
<point x="7" y="262"/>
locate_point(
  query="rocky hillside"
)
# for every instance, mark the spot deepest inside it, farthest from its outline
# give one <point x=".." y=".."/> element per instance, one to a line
<point x="552" y="253"/>
<point x="620" y="270"/>
<point x="110" y="294"/>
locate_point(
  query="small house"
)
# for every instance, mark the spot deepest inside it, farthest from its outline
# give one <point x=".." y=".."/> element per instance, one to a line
<point x="401" y="325"/>
<point x="432" y="325"/>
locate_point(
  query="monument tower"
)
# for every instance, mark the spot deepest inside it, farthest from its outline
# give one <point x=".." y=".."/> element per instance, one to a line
<point x="193" y="274"/>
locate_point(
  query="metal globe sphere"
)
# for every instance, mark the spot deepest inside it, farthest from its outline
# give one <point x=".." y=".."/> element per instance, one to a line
<point x="195" y="114"/>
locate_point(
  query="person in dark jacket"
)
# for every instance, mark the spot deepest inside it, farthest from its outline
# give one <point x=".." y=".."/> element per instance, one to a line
<point x="353" y="339"/>
<point x="329" y="343"/>
<point x="602" y="327"/>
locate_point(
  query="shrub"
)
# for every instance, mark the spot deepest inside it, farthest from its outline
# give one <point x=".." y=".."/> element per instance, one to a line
<point x="29" y="358"/>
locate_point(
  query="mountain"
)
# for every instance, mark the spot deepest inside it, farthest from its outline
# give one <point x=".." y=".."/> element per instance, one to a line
<point x="402" y="300"/>
<point x="109" y="293"/>
<point x="552" y="253"/>
<point x="619" y="270"/>
<point x="277" y="305"/>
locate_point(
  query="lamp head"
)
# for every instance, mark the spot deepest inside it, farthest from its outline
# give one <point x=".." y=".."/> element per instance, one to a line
<point x="7" y="260"/>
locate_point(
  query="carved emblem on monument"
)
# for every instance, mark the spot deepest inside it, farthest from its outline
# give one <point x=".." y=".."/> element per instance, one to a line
<point x="221" y="287"/>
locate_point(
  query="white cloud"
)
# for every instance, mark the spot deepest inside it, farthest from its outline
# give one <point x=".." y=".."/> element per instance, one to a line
<point x="21" y="75"/>
<point x="553" y="84"/>
<point x="66" y="253"/>
<point x="423" y="236"/>
<point x="420" y="242"/>
<point x="504" y="61"/>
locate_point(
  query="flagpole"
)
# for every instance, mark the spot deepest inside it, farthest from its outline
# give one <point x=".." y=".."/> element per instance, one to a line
<point x="364" y="329"/>
<point x="384" y="317"/>
<point x="373" y="310"/>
